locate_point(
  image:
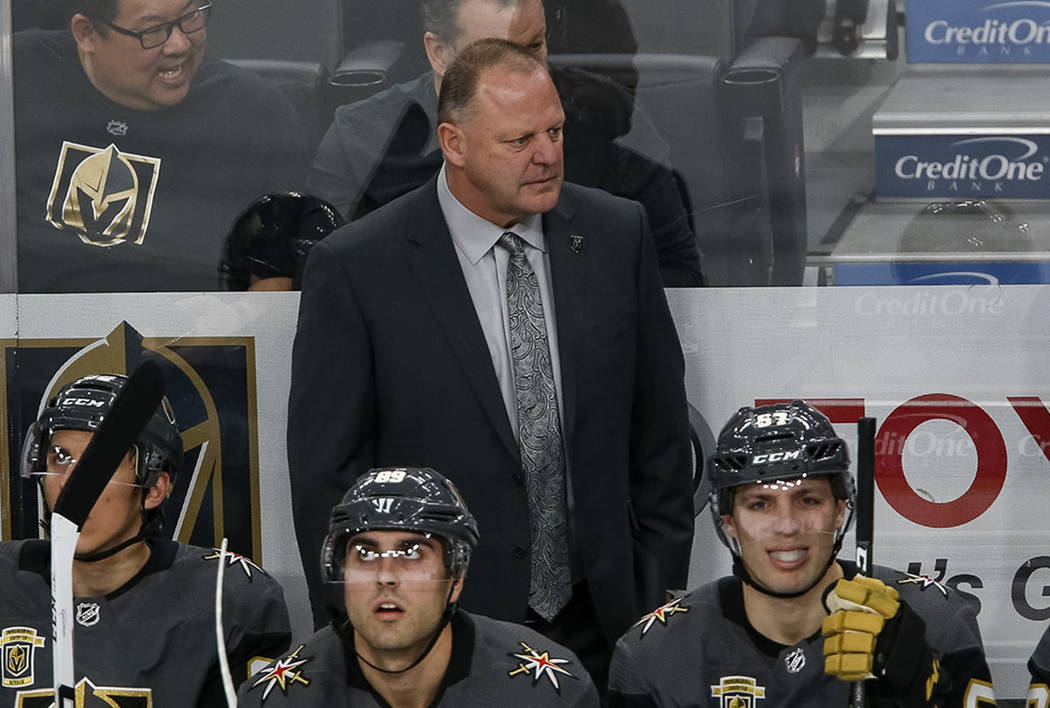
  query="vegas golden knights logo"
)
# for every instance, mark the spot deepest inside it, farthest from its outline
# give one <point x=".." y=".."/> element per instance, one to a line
<point x="103" y="195"/>
<point x="210" y="384"/>
<point x="738" y="692"/>
<point x="19" y="645"/>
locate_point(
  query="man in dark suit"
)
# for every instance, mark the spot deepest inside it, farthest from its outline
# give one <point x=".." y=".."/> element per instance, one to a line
<point x="511" y="330"/>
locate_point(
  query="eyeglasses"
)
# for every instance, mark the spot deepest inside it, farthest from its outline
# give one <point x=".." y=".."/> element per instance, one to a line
<point x="156" y="36"/>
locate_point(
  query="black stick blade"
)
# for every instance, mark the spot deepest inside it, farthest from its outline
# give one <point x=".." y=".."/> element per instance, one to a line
<point x="132" y="409"/>
<point x="865" y="494"/>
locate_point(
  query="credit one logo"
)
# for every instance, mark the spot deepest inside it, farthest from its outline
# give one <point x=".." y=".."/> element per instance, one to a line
<point x="967" y="31"/>
<point x="995" y="166"/>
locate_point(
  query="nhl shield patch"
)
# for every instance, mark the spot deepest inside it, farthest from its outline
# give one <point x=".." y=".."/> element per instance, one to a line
<point x="795" y="661"/>
<point x="738" y="692"/>
<point x="19" y="646"/>
<point x="88" y="614"/>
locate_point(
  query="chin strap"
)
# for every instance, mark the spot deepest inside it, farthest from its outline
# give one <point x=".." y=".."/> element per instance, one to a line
<point x="740" y="571"/>
<point x="446" y="617"/>
<point x="93" y="556"/>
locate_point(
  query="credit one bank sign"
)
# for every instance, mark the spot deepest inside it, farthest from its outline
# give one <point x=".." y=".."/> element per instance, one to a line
<point x="960" y="166"/>
<point x="979" y="31"/>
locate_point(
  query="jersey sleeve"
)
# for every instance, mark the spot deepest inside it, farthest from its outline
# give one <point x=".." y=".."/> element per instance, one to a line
<point x="627" y="686"/>
<point x="261" y="631"/>
<point x="963" y="659"/>
<point x="257" y="627"/>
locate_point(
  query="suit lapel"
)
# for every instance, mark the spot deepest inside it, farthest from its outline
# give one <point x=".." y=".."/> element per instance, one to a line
<point x="567" y="246"/>
<point x="433" y="262"/>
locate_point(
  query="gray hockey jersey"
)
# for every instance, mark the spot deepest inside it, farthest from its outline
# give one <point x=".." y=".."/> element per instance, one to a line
<point x="150" y="643"/>
<point x="701" y="651"/>
<point x="493" y="664"/>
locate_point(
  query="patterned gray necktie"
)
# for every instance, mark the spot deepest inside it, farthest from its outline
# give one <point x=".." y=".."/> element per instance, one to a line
<point x="539" y="435"/>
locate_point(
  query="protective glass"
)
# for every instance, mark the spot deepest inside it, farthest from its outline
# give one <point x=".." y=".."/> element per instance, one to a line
<point x="155" y="36"/>
<point x="791" y="510"/>
<point x="60" y="462"/>
<point x="417" y="560"/>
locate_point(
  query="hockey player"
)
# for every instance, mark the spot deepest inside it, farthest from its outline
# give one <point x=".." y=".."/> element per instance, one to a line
<point x="782" y="500"/>
<point x="144" y="606"/>
<point x="393" y="564"/>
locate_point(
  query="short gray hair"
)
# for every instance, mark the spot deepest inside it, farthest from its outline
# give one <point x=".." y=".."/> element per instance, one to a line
<point x="460" y="83"/>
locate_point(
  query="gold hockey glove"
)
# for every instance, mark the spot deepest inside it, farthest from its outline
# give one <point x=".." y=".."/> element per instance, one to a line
<point x="871" y="634"/>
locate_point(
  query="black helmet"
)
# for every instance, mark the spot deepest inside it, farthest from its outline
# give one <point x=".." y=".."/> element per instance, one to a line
<point x="773" y="443"/>
<point x="776" y="442"/>
<point x="396" y="499"/>
<point x="83" y="405"/>
<point x="273" y="237"/>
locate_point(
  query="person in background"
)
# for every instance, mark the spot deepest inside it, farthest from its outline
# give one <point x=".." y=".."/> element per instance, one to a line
<point x="267" y="245"/>
<point x="135" y="152"/>
<point x="385" y="146"/>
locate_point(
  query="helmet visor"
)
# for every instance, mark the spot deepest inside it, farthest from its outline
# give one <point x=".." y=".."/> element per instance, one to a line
<point x="384" y="557"/>
<point x="785" y="514"/>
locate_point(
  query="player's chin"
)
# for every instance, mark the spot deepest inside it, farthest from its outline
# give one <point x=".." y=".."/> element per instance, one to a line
<point x="786" y="582"/>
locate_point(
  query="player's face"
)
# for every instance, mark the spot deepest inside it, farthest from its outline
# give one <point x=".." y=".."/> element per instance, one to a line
<point x="143" y="79"/>
<point x="397" y="587"/>
<point x="523" y="24"/>
<point x="116" y="515"/>
<point x="786" y="531"/>
<point x="509" y="146"/>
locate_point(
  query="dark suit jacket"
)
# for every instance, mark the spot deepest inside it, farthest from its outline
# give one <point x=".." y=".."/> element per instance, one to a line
<point x="390" y="367"/>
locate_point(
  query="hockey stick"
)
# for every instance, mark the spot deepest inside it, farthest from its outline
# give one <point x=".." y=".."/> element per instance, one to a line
<point x="131" y="410"/>
<point x="220" y="636"/>
<point x="865" y="511"/>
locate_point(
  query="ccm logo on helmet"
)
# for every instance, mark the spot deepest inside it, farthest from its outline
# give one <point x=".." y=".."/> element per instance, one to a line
<point x="776" y="457"/>
<point x="82" y="402"/>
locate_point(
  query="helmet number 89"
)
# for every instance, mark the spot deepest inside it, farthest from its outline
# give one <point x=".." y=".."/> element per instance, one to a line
<point x="391" y="476"/>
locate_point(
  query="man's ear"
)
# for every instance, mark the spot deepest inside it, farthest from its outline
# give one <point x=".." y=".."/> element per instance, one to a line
<point x="84" y="32"/>
<point x="730" y="526"/>
<point x="440" y="53"/>
<point x="450" y="136"/>
<point x="158" y="492"/>
<point x="840" y="513"/>
<point x="457" y="588"/>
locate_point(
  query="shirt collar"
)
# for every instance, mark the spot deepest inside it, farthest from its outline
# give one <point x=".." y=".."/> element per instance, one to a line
<point x="476" y="236"/>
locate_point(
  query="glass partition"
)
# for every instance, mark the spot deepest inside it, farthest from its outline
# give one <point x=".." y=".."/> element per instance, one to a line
<point x="800" y="146"/>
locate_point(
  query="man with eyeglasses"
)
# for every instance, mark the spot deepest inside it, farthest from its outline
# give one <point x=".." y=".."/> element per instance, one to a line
<point x="144" y="628"/>
<point x="135" y="152"/>
<point x="393" y="564"/>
